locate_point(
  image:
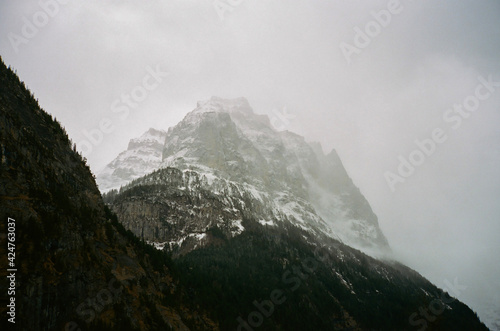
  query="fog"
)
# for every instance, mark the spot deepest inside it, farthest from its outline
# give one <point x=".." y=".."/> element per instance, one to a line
<point x="367" y="78"/>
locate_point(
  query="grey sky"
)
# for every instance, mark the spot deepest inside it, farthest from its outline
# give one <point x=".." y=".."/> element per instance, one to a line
<point x="444" y="220"/>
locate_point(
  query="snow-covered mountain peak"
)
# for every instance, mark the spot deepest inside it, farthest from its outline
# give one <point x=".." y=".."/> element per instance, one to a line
<point x="222" y="146"/>
<point x="217" y="104"/>
<point x="150" y="137"/>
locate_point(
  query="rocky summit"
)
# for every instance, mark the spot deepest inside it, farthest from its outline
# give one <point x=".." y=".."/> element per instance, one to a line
<point x="224" y="148"/>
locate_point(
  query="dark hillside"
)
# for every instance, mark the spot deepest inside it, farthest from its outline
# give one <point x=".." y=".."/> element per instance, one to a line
<point x="74" y="264"/>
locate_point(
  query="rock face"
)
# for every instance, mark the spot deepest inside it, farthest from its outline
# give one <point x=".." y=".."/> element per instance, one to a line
<point x="223" y="149"/>
<point x="142" y="156"/>
<point x="77" y="268"/>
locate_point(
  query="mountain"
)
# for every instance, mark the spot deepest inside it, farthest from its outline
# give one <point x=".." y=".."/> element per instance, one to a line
<point x="258" y="223"/>
<point x="77" y="268"/>
<point x="142" y="156"/>
<point x="223" y="147"/>
<point x="72" y="265"/>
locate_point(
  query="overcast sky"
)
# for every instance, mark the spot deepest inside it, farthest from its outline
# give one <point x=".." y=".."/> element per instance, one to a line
<point x="367" y="88"/>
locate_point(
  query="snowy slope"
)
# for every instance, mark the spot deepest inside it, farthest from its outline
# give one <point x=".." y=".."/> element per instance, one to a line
<point x="142" y="156"/>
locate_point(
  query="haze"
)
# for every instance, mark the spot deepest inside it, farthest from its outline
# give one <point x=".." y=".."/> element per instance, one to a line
<point x="289" y="59"/>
